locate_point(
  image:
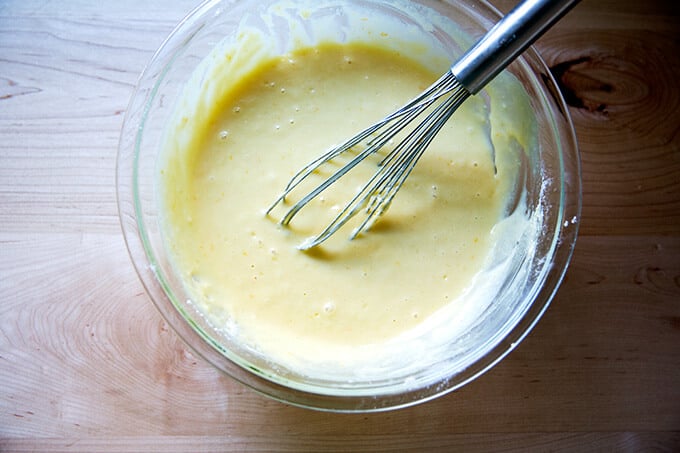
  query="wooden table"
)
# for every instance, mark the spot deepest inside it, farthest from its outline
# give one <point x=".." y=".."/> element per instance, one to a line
<point x="88" y="364"/>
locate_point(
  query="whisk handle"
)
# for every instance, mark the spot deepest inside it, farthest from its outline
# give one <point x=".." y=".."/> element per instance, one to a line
<point x="506" y="40"/>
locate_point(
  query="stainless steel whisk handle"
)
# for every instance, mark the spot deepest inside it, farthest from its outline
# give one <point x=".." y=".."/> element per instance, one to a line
<point x="506" y="40"/>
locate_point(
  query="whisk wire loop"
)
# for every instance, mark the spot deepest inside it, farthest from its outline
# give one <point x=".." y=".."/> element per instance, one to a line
<point x="376" y="195"/>
<point x="406" y="155"/>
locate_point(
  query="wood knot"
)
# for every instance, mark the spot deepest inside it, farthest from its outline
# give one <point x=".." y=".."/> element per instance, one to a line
<point x="582" y="88"/>
<point x="628" y="81"/>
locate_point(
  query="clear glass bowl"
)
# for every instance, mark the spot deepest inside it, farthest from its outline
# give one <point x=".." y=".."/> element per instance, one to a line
<point x="552" y="187"/>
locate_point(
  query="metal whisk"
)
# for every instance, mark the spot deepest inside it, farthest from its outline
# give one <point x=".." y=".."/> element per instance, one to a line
<point x="489" y="56"/>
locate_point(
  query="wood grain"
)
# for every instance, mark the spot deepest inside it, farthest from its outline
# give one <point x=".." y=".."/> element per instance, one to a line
<point x="88" y="364"/>
<point x="490" y="442"/>
<point x="622" y="87"/>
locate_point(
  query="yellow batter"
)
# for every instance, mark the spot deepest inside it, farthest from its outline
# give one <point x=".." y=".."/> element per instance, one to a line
<point x="222" y="169"/>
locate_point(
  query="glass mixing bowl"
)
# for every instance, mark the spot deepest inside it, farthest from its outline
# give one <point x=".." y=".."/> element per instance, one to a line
<point x="552" y="189"/>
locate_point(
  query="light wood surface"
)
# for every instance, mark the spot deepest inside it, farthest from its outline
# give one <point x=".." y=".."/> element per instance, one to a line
<point x="87" y="363"/>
